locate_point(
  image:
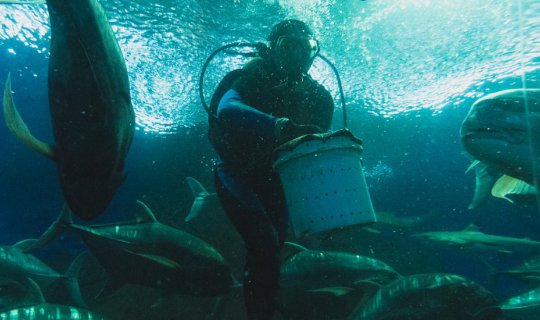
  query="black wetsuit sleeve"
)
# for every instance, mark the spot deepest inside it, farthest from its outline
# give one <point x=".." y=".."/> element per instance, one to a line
<point x="234" y="114"/>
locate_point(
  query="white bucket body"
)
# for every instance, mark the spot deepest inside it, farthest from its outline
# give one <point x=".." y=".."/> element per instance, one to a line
<point x="324" y="185"/>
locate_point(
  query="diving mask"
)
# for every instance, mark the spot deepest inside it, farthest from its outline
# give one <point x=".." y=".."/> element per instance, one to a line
<point x="295" y="54"/>
<point x="307" y="48"/>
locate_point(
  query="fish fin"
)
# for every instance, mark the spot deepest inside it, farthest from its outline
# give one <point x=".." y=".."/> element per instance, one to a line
<point x="58" y="227"/>
<point x="335" y="291"/>
<point x="158" y="259"/>
<point x="472" y="166"/>
<point x="72" y="282"/>
<point x="370" y="283"/>
<point x="24" y="245"/>
<point x="19" y="129"/>
<point x="372" y="230"/>
<point x="289" y="250"/>
<point x="146" y="215"/>
<point x="473" y="227"/>
<point x="506" y="185"/>
<point x="200" y="201"/>
<point x="34" y="295"/>
<point x="485" y="179"/>
<point x="197" y="189"/>
<point x="110" y="287"/>
<point x="196" y="209"/>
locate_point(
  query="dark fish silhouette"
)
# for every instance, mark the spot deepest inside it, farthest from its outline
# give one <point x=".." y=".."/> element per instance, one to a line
<point x="501" y="133"/>
<point x="33" y="306"/>
<point x="430" y="296"/>
<point x="151" y="254"/>
<point x="90" y="105"/>
<point x="19" y="266"/>
<point x="523" y="306"/>
<point x="318" y="284"/>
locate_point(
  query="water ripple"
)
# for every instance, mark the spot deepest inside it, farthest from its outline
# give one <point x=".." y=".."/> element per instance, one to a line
<point x="393" y="56"/>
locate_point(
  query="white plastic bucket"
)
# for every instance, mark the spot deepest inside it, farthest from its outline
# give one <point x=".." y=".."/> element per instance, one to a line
<point x="324" y="183"/>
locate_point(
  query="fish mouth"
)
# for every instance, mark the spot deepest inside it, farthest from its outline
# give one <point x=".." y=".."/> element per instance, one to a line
<point x="478" y="135"/>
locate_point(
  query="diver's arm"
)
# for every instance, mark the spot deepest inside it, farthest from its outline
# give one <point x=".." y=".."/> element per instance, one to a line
<point x="235" y="114"/>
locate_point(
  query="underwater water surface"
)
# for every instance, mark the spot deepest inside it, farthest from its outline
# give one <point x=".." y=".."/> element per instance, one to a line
<point x="410" y="71"/>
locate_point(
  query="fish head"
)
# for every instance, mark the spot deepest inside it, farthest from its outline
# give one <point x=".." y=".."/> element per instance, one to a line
<point x="88" y="195"/>
<point x="499" y="131"/>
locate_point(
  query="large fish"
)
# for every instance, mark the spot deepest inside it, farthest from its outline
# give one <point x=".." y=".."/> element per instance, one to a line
<point x="502" y="133"/>
<point x="430" y="296"/>
<point x="33" y="306"/>
<point x="148" y="253"/>
<point x="528" y="271"/>
<point x="523" y="306"/>
<point x="471" y="237"/>
<point x="19" y="266"/>
<point x="318" y="284"/>
<point x="90" y="105"/>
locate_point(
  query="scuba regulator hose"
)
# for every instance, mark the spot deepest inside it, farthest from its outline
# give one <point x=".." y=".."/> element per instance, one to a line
<point x="260" y="49"/>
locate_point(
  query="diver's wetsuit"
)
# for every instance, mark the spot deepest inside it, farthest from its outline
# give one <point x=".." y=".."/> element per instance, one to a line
<point x="249" y="101"/>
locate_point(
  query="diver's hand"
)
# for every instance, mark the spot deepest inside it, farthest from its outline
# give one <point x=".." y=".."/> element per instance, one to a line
<point x="286" y="130"/>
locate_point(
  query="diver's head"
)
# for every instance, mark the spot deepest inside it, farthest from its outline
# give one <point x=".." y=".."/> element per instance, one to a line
<point x="293" y="46"/>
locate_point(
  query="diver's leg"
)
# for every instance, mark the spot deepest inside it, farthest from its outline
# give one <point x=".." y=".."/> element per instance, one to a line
<point x="261" y="239"/>
<point x="273" y="198"/>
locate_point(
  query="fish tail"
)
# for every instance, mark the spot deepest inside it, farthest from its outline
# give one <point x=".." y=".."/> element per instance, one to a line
<point x="57" y="228"/>
<point x="72" y="282"/>
<point x="18" y="127"/>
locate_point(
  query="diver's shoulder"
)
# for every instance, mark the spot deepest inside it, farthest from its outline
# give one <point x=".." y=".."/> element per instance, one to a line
<point x="316" y="84"/>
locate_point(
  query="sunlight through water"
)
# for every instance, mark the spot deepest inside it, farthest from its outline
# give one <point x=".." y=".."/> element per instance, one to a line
<point x="394" y="57"/>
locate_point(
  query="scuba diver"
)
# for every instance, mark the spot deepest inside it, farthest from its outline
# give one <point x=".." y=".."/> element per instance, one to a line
<point x="269" y="101"/>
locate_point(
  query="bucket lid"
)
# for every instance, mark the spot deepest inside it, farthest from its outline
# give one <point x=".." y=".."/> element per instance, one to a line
<point x="290" y="145"/>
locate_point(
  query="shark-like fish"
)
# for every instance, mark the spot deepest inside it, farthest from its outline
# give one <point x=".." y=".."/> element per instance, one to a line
<point x="317" y="284"/>
<point x="430" y="296"/>
<point x="501" y="133"/>
<point x="472" y="237"/>
<point x="522" y="306"/>
<point x="90" y="105"/>
<point x="527" y="271"/>
<point x="19" y="266"/>
<point x="33" y="306"/>
<point x="149" y="253"/>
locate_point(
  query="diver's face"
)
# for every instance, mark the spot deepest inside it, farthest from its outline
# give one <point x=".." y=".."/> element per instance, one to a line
<point x="296" y="53"/>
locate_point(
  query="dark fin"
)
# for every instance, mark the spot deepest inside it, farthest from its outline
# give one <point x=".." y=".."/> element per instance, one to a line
<point x="18" y="128"/>
<point x="72" y="280"/>
<point x="145" y="215"/>
<point x="334" y="291"/>
<point x="485" y="179"/>
<point x="197" y="189"/>
<point x="111" y="286"/>
<point x="289" y="250"/>
<point x="25" y="245"/>
<point x="473" y="227"/>
<point x="160" y="260"/>
<point x="34" y="295"/>
<point x="57" y="228"/>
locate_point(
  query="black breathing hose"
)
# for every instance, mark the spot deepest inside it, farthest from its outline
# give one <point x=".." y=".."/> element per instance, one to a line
<point x="259" y="47"/>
